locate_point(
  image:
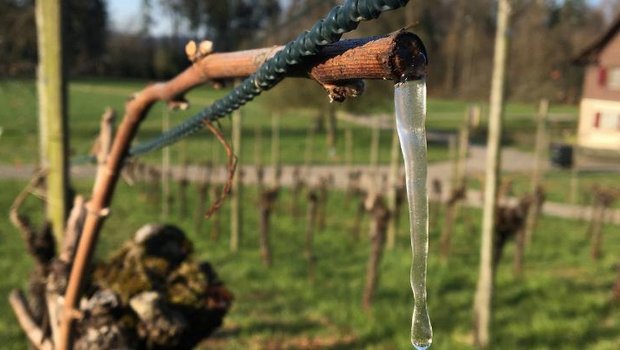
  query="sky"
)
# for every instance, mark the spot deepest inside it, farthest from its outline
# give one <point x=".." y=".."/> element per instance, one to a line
<point x="124" y="15"/>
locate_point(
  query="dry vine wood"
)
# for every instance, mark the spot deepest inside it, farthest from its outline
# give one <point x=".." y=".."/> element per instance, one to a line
<point x="456" y="195"/>
<point x="435" y="203"/>
<point x="510" y="222"/>
<point x="266" y="204"/>
<point x="203" y="195"/>
<point x="602" y="201"/>
<point x="353" y="186"/>
<point x="32" y="313"/>
<point x="34" y="333"/>
<point x="38" y="316"/>
<point x="323" y="192"/>
<point x="296" y="190"/>
<point x="215" y="217"/>
<point x="390" y="57"/>
<point x="615" y="297"/>
<point x="380" y="217"/>
<point x="535" y="203"/>
<point x="311" y="218"/>
<point x="183" y="183"/>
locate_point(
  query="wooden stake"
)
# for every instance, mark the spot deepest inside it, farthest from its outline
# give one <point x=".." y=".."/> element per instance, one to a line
<point x="538" y="173"/>
<point x="392" y="188"/>
<point x="332" y="130"/>
<point x="166" y="198"/>
<point x="308" y="151"/>
<point x="374" y="142"/>
<point x="348" y="145"/>
<point x="275" y="148"/>
<point x="53" y="129"/>
<point x="237" y="189"/>
<point x="380" y="216"/>
<point x="484" y="289"/>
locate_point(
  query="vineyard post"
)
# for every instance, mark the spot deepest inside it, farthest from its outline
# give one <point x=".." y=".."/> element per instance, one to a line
<point x="484" y="289"/>
<point x="392" y="188"/>
<point x="52" y="92"/>
<point x="538" y="173"/>
<point x="237" y="188"/>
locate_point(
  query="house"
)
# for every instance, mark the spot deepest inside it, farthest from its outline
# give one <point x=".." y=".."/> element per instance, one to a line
<point x="599" y="114"/>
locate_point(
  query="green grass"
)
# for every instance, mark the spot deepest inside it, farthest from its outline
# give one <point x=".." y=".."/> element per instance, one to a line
<point x="89" y="98"/>
<point x="562" y="303"/>
<point x="557" y="185"/>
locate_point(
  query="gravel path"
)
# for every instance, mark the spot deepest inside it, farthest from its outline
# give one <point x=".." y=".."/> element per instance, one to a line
<point x="512" y="161"/>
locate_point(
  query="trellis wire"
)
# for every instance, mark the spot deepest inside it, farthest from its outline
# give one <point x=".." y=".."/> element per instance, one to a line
<point x="339" y="20"/>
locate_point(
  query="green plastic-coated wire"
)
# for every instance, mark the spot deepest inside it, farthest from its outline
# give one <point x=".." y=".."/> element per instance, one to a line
<point x="341" y="19"/>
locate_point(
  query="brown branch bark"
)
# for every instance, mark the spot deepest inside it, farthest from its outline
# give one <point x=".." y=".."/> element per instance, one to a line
<point x="22" y="312"/>
<point x="390" y="57"/>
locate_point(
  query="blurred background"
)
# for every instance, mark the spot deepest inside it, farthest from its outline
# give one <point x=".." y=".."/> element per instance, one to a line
<point x="309" y="246"/>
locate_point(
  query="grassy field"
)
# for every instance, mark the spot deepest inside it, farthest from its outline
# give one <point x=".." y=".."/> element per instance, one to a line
<point x="557" y="184"/>
<point x="89" y="98"/>
<point x="561" y="303"/>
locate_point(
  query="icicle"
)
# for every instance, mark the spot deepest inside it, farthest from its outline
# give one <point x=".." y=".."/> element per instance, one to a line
<point x="410" y="105"/>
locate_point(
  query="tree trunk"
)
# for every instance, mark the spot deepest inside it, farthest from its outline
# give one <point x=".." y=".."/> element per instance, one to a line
<point x="484" y="289"/>
<point x="52" y="91"/>
<point x="237" y="187"/>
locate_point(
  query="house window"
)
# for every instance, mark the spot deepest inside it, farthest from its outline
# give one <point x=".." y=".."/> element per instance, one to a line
<point x="613" y="78"/>
<point x="607" y="120"/>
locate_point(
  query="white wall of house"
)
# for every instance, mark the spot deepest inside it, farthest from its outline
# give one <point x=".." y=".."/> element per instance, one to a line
<point x="599" y="124"/>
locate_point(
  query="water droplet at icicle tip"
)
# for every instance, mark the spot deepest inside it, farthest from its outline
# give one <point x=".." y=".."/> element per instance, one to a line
<point x="410" y="113"/>
<point x="421" y="347"/>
